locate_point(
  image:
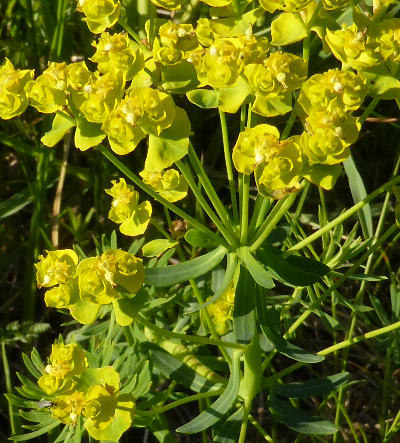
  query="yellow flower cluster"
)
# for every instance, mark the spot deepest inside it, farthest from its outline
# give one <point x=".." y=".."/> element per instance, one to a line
<point x="77" y="391"/>
<point x="83" y="287"/>
<point x="327" y="101"/>
<point x="367" y="45"/>
<point x="169" y="184"/>
<point x="13" y="99"/>
<point x="221" y="311"/>
<point x="126" y="210"/>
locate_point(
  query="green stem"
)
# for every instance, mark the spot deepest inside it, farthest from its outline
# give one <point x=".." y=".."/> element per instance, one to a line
<point x="261" y="207"/>
<point x="369" y="109"/>
<point x="360" y="338"/>
<point x="260" y="429"/>
<point x="180" y="402"/>
<point x="229" y="168"/>
<point x="244" y="213"/>
<point x="229" y="237"/>
<point x="272" y="220"/>
<point x="345" y="215"/>
<point x="7" y="376"/>
<point x="133" y="34"/>
<point x="344" y="344"/>
<point x="209" y="189"/>
<point x="344" y="277"/>
<point x="243" y="426"/>
<point x="184" y="337"/>
<point x="150" y="191"/>
<point x="289" y="124"/>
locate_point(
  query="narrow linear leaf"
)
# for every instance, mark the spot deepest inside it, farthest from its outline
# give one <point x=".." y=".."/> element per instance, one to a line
<point x="200" y="239"/>
<point x="31" y="367"/>
<point x="220" y="407"/>
<point x="172" y="274"/>
<point x="283" y="346"/>
<point x="37" y="433"/>
<point x="244" y="319"/>
<point x="229" y="431"/>
<point x="315" y="386"/>
<point x="358" y="193"/>
<point x="299" y="420"/>
<point x="257" y="270"/>
<point x="175" y="369"/>
<point x="21" y="402"/>
<point x="292" y="270"/>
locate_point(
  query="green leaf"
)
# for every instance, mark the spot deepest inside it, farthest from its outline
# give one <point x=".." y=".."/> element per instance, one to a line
<point x="88" y="134"/>
<point x="84" y="311"/>
<point x="267" y="321"/>
<point x="381" y="83"/>
<point x="172" y="274"/>
<point x="15" y="203"/>
<point x="287" y="28"/>
<point x="156" y="247"/>
<point x="179" y="78"/>
<point x="143" y="381"/>
<point x="220" y="407"/>
<point x="173" y="368"/>
<point x="37" y="361"/>
<point x="273" y="106"/>
<point x="395" y="299"/>
<point x="322" y="175"/>
<point x="230" y="430"/>
<point x="292" y="270"/>
<point x="126" y="308"/>
<point x="235" y="25"/>
<point x="62" y="123"/>
<point x="199" y="239"/>
<point x="315" y="386"/>
<point x="298" y="420"/>
<point x="171" y="145"/>
<point x="244" y="321"/>
<point x="358" y="193"/>
<point x="364" y="277"/>
<point x="21" y="402"/>
<point x="204" y="98"/>
<point x="231" y="99"/>
<point x="257" y="270"/>
<point x="379" y="310"/>
<point x="37" y="433"/>
<point x="31" y="367"/>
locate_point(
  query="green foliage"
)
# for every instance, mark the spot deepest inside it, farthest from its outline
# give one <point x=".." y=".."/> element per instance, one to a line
<point x="239" y="261"/>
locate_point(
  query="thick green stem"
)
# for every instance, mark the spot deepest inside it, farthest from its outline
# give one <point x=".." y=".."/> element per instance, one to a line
<point x="251" y="381"/>
<point x="229" y="168"/>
